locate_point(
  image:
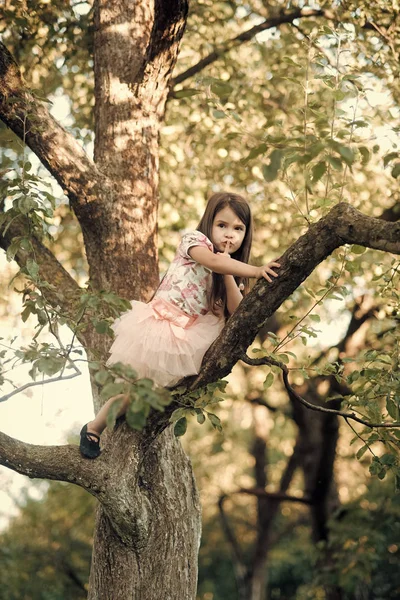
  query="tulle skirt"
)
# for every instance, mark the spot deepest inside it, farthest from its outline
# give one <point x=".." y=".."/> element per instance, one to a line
<point x="162" y="342"/>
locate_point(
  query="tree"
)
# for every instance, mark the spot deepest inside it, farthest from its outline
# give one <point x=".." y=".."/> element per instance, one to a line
<point x="46" y="549"/>
<point x="148" y="503"/>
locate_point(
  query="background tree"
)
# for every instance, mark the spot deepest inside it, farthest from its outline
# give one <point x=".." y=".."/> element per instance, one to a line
<point x="115" y="201"/>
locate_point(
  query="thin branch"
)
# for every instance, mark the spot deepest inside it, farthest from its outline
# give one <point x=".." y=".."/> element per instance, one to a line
<point x="230" y="535"/>
<point x="36" y="383"/>
<point x="266" y="360"/>
<point x="259" y="400"/>
<point x="247" y="36"/>
<point x="328" y="291"/>
<point x="278" y="496"/>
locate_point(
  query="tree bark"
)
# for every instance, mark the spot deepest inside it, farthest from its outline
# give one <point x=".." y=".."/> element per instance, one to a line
<point x="156" y="554"/>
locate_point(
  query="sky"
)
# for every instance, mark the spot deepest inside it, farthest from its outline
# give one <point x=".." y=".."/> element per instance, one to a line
<point x="44" y="415"/>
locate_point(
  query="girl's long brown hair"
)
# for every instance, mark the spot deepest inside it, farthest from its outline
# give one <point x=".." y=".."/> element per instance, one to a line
<point x="241" y="208"/>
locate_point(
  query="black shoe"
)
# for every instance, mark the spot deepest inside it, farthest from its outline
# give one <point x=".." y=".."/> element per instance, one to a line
<point x="90" y="443"/>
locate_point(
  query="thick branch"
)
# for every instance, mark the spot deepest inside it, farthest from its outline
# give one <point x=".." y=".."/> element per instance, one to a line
<point x="50" y="269"/>
<point x="342" y="225"/>
<point x="30" y="120"/>
<point x="62" y="463"/>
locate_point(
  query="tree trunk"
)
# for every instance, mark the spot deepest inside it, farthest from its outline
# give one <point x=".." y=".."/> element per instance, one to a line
<point x="166" y="524"/>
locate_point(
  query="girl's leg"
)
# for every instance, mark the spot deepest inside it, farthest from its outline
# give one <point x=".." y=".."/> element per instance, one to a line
<point x="99" y="423"/>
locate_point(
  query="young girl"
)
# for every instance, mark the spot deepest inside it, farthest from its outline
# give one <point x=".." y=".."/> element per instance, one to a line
<point x="166" y="339"/>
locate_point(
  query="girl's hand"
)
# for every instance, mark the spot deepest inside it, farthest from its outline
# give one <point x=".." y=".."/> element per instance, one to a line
<point x="226" y="251"/>
<point x="266" y="270"/>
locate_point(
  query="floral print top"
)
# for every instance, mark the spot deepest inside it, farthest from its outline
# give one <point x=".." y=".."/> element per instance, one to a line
<point x="187" y="283"/>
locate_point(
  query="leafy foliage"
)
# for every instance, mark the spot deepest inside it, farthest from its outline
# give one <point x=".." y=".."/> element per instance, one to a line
<point x="46" y="550"/>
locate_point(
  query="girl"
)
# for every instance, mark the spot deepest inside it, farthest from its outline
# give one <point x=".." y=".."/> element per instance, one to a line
<point x="166" y="339"/>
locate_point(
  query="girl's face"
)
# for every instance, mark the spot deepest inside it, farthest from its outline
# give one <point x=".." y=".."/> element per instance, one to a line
<point x="228" y="231"/>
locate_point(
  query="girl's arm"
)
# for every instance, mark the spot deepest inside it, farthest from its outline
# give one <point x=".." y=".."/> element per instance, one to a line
<point x="233" y="294"/>
<point x="220" y="263"/>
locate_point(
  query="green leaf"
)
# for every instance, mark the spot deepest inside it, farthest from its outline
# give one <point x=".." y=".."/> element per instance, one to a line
<point x="335" y="162"/>
<point x="218" y="114"/>
<point x="238" y="119"/>
<point x="13" y="248"/>
<point x="94" y="365"/>
<point x="365" y="154"/>
<point x="284" y="357"/>
<point x="102" y="326"/>
<point x="346" y="153"/>
<point x="355" y="249"/>
<point x="146" y="383"/>
<point x="135" y="420"/>
<point x="388" y="459"/>
<point x="269" y="173"/>
<point x="137" y="405"/>
<point x="318" y="171"/>
<point x="396" y="170"/>
<point x="32" y="268"/>
<point x="221" y="88"/>
<point x="26" y="204"/>
<point x="375" y="466"/>
<point x="358" y="123"/>
<point x="186" y="93"/>
<point x="254" y="152"/>
<point x="113" y="412"/>
<point x="101" y="377"/>
<point x="112" y="389"/>
<point x="315" y="318"/>
<point x="215" y="421"/>
<point x="392" y="408"/>
<point x="26" y="313"/>
<point x="389" y="157"/>
<point x="50" y="365"/>
<point x="269" y="380"/>
<point x="276" y="158"/>
<point x="362" y="451"/>
<point x="180" y="427"/>
<point x="201" y="418"/>
<point x="177" y="414"/>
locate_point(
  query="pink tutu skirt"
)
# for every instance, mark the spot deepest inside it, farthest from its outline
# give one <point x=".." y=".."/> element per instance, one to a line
<point x="162" y="342"/>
